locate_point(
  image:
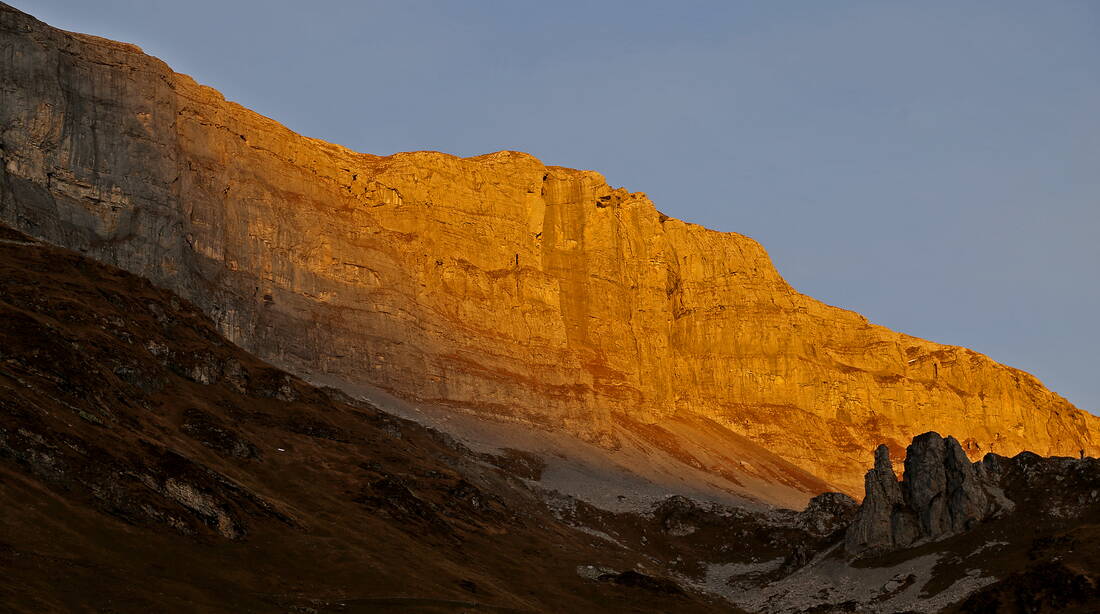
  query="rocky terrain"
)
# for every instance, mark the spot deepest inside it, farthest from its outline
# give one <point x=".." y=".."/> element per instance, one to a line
<point x="996" y="536"/>
<point x="246" y="371"/>
<point x="941" y="494"/>
<point x="147" y="464"/>
<point x="493" y="285"/>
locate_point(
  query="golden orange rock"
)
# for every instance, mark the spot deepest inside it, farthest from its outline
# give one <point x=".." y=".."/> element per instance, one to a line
<point x="494" y="284"/>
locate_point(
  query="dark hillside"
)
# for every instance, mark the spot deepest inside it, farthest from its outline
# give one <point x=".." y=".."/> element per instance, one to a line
<point x="146" y="464"/>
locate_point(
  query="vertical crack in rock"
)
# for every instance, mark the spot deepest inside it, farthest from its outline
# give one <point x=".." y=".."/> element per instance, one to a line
<point x="941" y="494"/>
<point x="550" y="310"/>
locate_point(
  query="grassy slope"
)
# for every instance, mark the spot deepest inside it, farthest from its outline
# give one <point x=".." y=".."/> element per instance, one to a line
<point x="141" y="470"/>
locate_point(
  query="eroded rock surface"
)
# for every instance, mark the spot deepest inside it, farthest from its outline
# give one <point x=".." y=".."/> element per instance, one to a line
<point x="941" y="494"/>
<point x="999" y="535"/>
<point x="942" y="486"/>
<point x="494" y="284"/>
<point x="193" y="477"/>
<point x="882" y="520"/>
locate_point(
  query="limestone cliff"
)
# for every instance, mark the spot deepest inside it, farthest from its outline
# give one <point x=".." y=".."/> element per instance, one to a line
<point x="492" y="284"/>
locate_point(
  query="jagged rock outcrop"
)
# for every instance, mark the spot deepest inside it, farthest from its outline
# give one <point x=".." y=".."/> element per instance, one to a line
<point x="495" y="285"/>
<point x="1004" y="535"/>
<point x="941" y="494"/>
<point x="882" y="520"/>
<point x="942" y="486"/>
<point x="827" y="513"/>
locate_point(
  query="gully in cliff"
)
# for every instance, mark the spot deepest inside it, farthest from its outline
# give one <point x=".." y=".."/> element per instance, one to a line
<point x="494" y="285"/>
<point x="244" y="370"/>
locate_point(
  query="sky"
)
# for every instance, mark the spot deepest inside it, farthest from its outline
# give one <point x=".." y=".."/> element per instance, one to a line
<point x="933" y="165"/>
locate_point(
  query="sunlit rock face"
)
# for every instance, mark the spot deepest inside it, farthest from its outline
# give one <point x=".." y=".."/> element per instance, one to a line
<point x="495" y="284"/>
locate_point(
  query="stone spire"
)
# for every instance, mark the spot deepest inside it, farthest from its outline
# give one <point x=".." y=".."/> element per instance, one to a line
<point x="940" y="495"/>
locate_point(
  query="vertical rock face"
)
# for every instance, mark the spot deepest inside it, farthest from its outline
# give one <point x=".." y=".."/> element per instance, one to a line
<point x="495" y="284"/>
<point x="926" y="481"/>
<point x="882" y="520"/>
<point x="942" y="485"/>
<point x="941" y="494"/>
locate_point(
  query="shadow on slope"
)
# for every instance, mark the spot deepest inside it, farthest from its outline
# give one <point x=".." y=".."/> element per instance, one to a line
<point x="146" y="464"/>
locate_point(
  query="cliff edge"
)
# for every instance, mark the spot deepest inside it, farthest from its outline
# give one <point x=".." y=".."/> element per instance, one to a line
<point x="493" y="285"/>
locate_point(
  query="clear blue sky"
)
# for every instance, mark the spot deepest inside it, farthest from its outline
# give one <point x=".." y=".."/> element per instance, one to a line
<point x="933" y="165"/>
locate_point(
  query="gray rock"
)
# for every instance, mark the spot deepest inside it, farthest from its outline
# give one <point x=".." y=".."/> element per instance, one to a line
<point x="926" y="482"/>
<point x="941" y="494"/>
<point x="828" y="512"/>
<point x="967" y="501"/>
<point x="882" y="522"/>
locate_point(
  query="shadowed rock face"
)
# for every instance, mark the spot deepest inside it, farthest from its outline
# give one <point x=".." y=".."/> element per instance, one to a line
<point x="493" y="284"/>
<point x="941" y="494"/>
<point x="881" y="521"/>
<point x="1003" y="535"/>
<point x="942" y="486"/>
